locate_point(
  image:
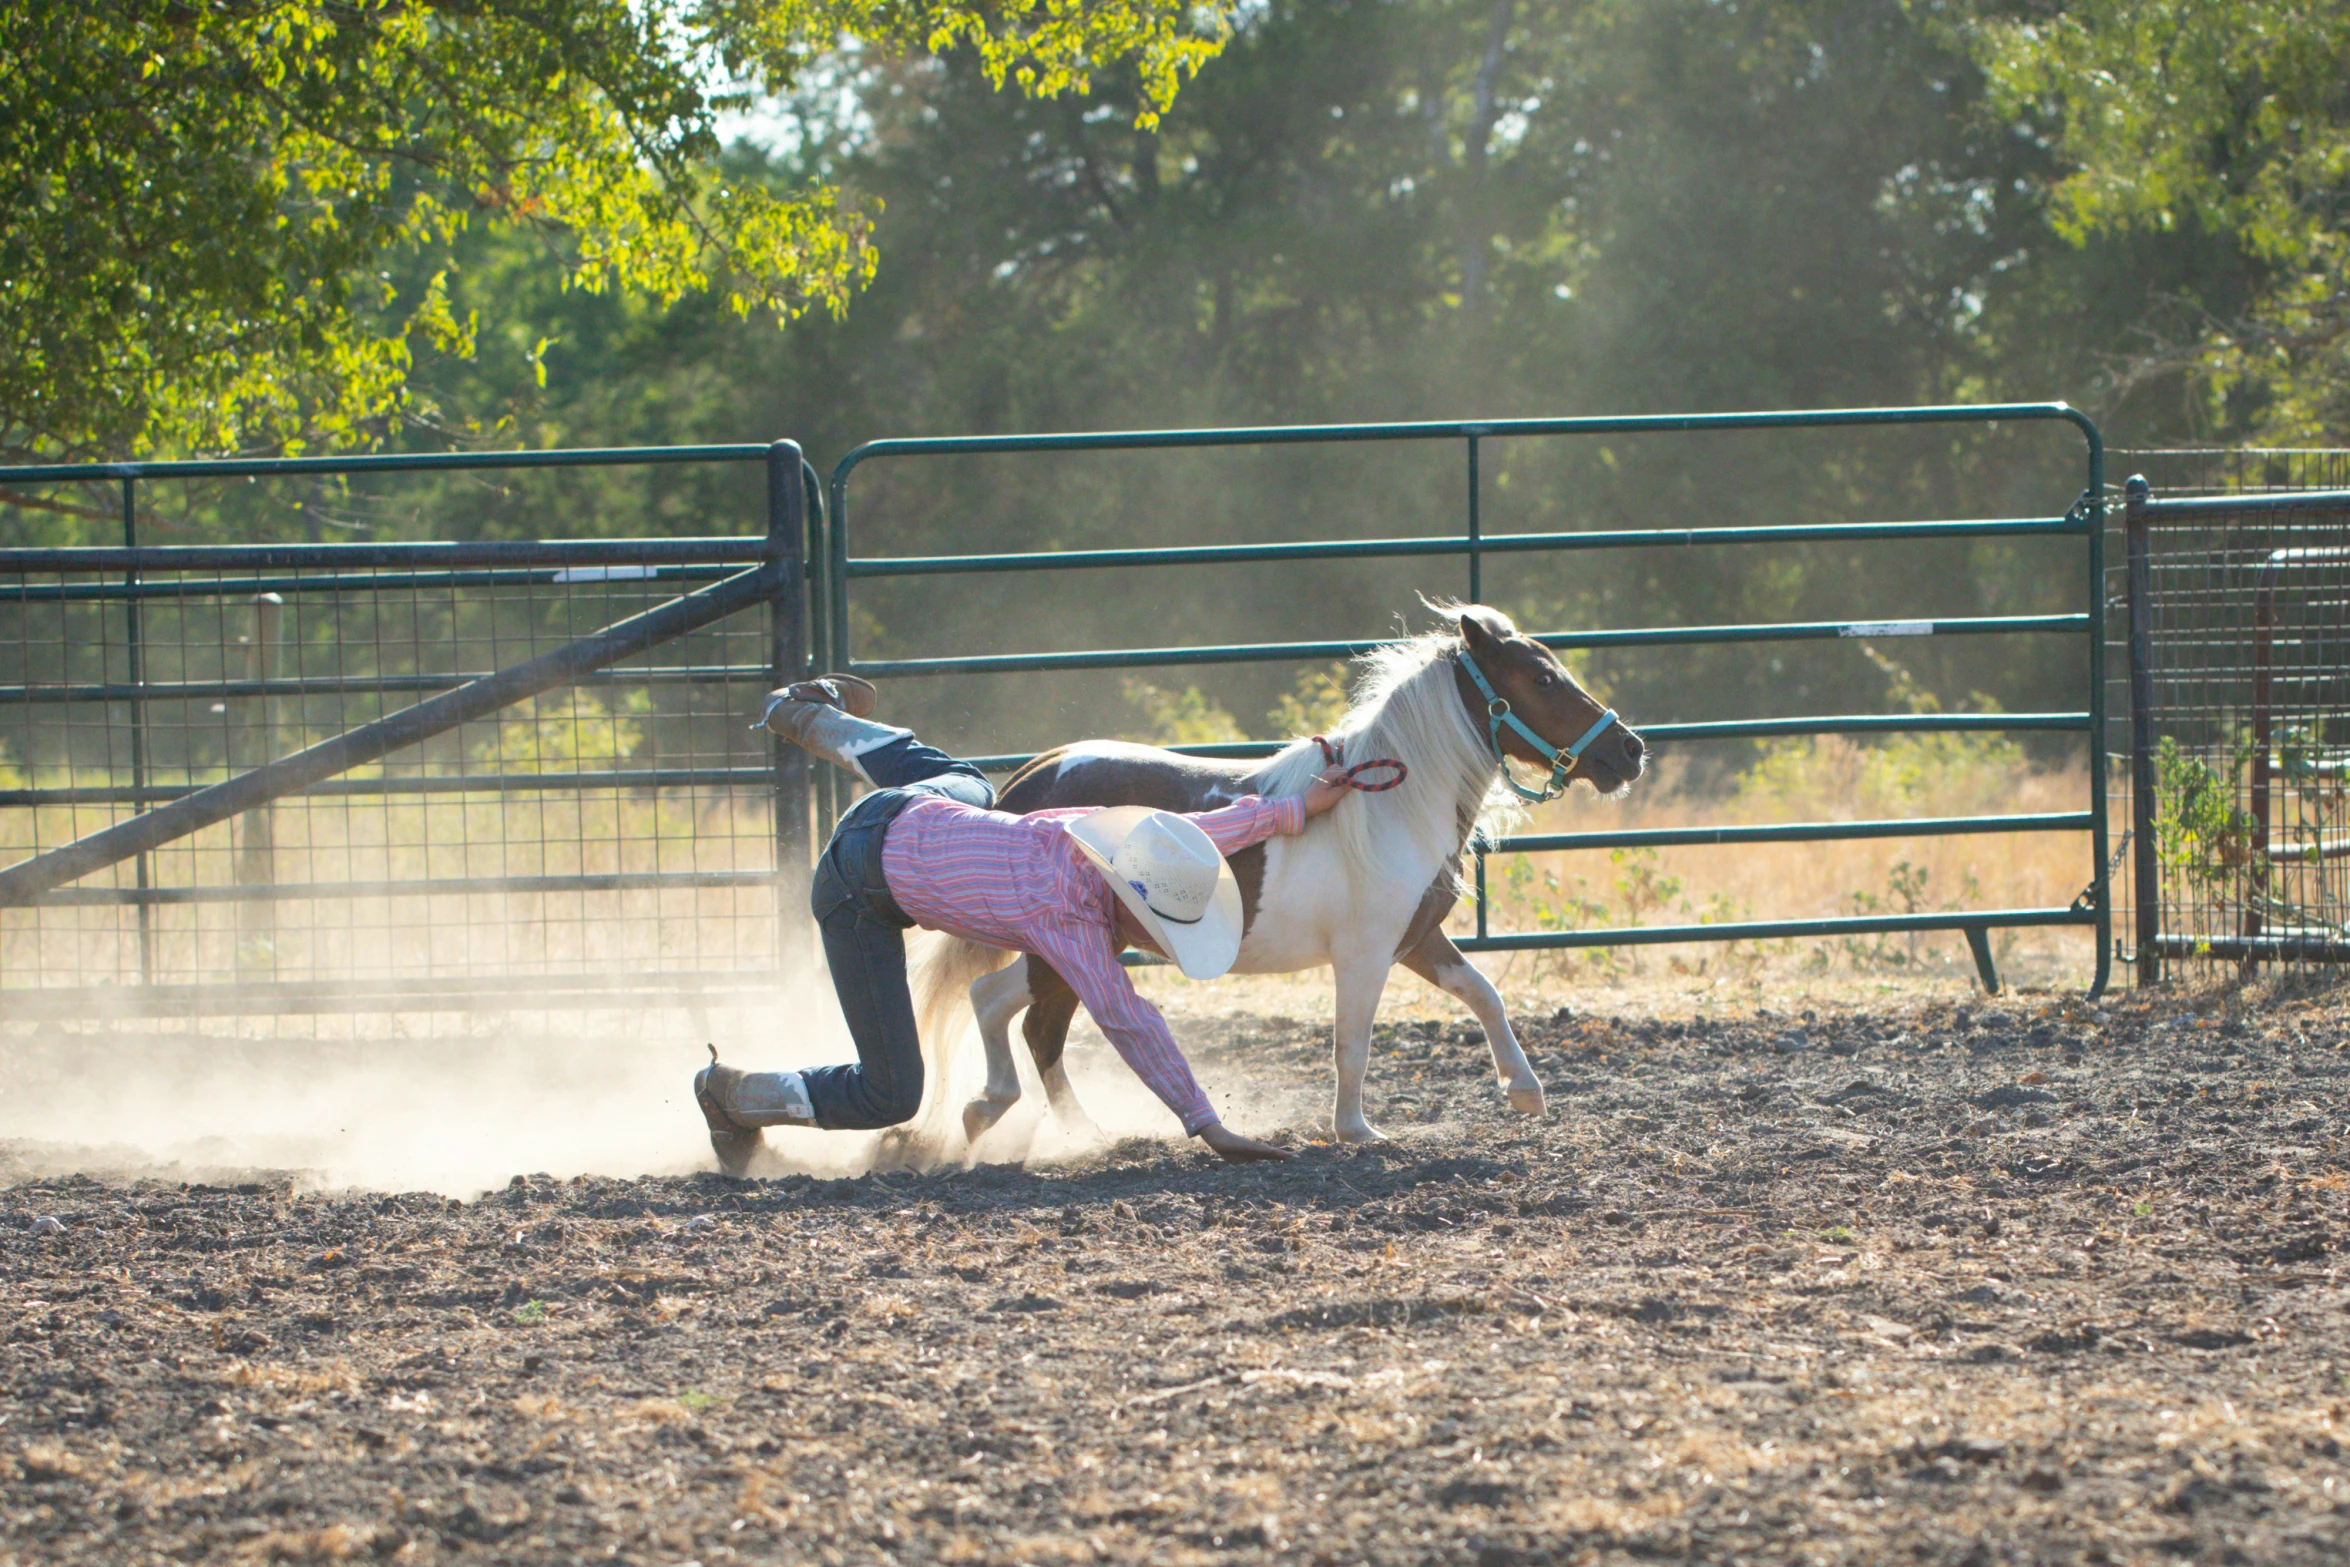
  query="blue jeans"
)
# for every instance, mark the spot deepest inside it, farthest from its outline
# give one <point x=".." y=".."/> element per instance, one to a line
<point x="865" y="939"/>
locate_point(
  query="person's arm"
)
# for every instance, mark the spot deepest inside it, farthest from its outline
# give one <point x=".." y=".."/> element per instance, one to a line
<point x="1253" y="818"/>
<point x="1082" y="953"/>
<point x="1135" y="1029"/>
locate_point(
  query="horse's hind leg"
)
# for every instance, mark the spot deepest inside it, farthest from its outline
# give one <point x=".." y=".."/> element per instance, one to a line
<point x="995" y="1000"/>
<point x="1435" y="959"/>
<point x="1046" y="1028"/>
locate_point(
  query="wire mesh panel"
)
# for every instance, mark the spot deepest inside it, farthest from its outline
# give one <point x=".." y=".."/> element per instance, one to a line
<point x="608" y="827"/>
<point x="2239" y="610"/>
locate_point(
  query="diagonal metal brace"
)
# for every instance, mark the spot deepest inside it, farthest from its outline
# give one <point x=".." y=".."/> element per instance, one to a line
<point x="22" y="882"/>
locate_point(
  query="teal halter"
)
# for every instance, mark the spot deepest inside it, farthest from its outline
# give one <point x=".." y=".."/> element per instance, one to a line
<point x="1562" y="759"/>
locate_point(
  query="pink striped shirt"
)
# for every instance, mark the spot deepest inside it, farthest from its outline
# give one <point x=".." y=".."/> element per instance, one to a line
<point x="1021" y="883"/>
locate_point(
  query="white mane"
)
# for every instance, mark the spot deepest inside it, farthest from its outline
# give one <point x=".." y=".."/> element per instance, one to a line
<point x="1406" y="706"/>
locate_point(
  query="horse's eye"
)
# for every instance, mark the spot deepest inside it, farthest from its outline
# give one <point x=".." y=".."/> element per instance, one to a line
<point x="1546" y="678"/>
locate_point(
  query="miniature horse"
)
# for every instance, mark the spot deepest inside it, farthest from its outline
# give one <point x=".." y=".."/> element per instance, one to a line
<point x="1365" y="887"/>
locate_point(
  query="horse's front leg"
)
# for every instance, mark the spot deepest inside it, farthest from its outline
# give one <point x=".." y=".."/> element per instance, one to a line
<point x="1046" y="1028"/>
<point x="1435" y="959"/>
<point x="996" y="999"/>
<point x="1360" y="983"/>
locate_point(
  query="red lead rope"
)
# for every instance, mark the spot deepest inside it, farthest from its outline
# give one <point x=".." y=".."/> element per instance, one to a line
<point x="1354" y="774"/>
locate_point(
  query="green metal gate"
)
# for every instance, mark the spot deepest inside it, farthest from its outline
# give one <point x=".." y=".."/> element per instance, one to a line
<point x="404" y="775"/>
<point x="2082" y="520"/>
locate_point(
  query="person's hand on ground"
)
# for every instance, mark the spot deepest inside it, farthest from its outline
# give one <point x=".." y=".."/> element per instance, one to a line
<point x="1326" y="791"/>
<point x="1239" y="1149"/>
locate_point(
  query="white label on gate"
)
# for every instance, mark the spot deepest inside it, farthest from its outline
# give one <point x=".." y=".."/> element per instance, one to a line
<point x="1888" y="628"/>
<point x="603" y="573"/>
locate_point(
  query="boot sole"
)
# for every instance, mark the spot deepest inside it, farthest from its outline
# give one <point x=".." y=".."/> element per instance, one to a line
<point x="736" y="1146"/>
<point x="735" y="1151"/>
<point x="858" y="698"/>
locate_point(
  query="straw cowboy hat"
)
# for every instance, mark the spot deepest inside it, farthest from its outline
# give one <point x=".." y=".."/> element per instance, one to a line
<point x="1168" y="873"/>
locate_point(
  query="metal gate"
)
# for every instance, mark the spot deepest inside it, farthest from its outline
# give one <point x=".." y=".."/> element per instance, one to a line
<point x="399" y="776"/>
<point x="2082" y="521"/>
<point x="2239" y="633"/>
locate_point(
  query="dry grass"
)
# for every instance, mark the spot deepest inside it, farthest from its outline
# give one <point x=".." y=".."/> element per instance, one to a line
<point x="1830" y="779"/>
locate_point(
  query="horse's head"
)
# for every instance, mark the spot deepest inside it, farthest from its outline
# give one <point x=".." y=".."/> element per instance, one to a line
<point x="1540" y="692"/>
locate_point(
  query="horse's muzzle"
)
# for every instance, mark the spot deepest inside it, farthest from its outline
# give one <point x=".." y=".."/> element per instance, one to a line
<point x="1616" y="762"/>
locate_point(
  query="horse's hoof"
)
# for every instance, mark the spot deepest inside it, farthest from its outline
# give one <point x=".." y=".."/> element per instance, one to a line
<point x="1081" y="1128"/>
<point x="1360" y="1132"/>
<point x="981" y="1115"/>
<point x="1527" y="1101"/>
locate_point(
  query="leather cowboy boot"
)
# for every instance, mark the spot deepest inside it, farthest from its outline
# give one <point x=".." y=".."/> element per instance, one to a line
<point x="828" y="717"/>
<point x="737" y="1104"/>
<point x="853" y="696"/>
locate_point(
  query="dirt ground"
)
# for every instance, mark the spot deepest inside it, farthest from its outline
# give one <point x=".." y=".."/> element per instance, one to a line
<point x="1928" y="1281"/>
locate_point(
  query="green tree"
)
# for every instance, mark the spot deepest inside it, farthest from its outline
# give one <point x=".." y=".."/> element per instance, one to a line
<point x="203" y="207"/>
<point x="2229" y="118"/>
<point x="1678" y="205"/>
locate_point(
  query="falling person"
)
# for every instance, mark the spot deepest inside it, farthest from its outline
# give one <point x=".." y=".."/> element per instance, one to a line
<point x="1074" y="887"/>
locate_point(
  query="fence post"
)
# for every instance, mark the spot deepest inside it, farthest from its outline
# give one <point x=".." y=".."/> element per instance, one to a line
<point x="132" y="631"/>
<point x="257" y="829"/>
<point x="787" y="626"/>
<point x="1476" y="539"/>
<point x="2263" y="781"/>
<point x="816" y="556"/>
<point x="2145" y="862"/>
<point x="832" y="581"/>
<point x="2100" y="891"/>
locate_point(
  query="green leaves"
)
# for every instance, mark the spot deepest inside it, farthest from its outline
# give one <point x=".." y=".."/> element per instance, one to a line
<point x="2204" y="833"/>
<point x="203" y="204"/>
<point x="2227" y="116"/>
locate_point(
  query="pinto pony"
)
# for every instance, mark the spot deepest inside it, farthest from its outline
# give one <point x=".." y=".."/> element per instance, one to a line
<point x="1365" y="887"/>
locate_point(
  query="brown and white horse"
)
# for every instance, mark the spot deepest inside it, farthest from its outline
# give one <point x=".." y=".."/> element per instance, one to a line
<point x="1365" y="887"/>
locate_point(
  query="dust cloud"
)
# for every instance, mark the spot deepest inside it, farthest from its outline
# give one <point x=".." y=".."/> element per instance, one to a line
<point x="458" y="1104"/>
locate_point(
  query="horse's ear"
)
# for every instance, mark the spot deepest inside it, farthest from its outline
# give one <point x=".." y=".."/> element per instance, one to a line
<point x="1483" y="629"/>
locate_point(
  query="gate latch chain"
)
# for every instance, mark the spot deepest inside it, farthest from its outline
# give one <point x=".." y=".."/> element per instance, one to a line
<point x="2087" y="901"/>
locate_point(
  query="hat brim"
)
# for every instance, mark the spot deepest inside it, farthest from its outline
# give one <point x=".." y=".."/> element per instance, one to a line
<point x="1205" y="950"/>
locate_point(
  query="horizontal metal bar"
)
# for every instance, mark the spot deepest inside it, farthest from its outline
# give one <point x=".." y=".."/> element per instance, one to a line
<point x="418" y="462"/>
<point x="1891" y="723"/>
<point x="410" y="887"/>
<point x="362" y="685"/>
<point x="1131" y="658"/>
<point x="2325" y="848"/>
<point x="1816" y="630"/>
<point x="197" y="587"/>
<point x="2236" y="949"/>
<point x="1731" y="729"/>
<point x="1650" y="636"/>
<point x="1794" y="832"/>
<point x="1454" y="429"/>
<point x="2234" y="505"/>
<point x="1772" y="930"/>
<point x="745" y="550"/>
<point x="457" y="993"/>
<point x="1487" y="544"/>
<point x="430" y="783"/>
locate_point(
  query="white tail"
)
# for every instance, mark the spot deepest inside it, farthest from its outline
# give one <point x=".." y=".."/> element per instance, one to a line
<point x="943" y="970"/>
